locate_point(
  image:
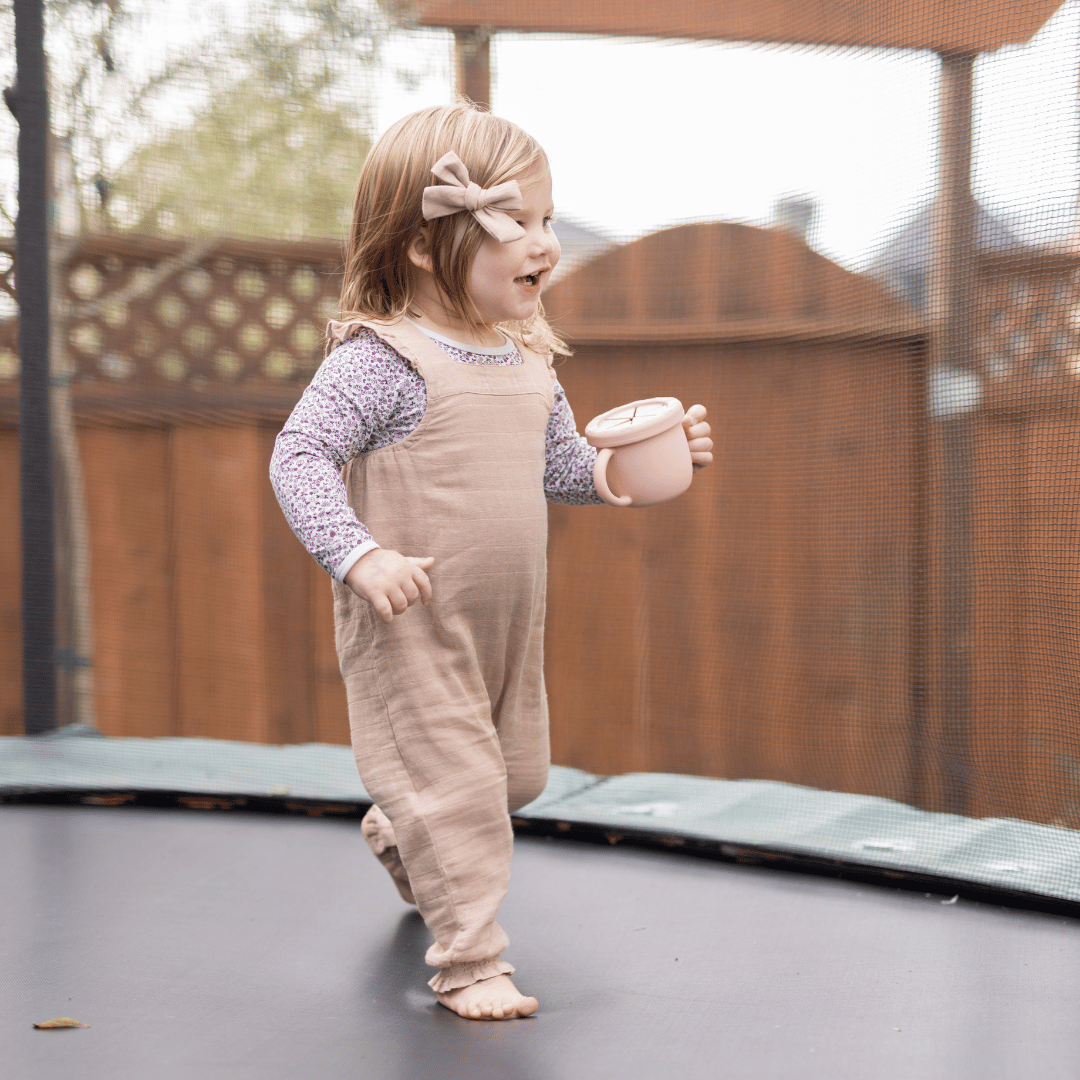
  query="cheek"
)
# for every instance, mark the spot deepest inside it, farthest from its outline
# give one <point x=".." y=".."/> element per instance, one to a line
<point x="480" y="281"/>
<point x="490" y="273"/>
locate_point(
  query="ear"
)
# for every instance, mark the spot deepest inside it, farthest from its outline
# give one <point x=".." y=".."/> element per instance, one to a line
<point x="418" y="251"/>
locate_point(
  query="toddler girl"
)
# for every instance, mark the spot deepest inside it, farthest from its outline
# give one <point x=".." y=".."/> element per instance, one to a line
<point x="428" y="440"/>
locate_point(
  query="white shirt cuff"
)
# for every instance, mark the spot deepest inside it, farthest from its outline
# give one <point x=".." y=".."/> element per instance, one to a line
<point x="353" y="557"/>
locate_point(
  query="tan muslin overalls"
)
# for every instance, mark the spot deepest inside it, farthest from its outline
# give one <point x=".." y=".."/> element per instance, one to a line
<point x="446" y="703"/>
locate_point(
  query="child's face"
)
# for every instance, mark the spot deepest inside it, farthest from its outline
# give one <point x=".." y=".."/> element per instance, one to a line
<point x="506" y="280"/>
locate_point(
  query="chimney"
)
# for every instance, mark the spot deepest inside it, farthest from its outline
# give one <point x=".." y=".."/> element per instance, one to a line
<point x="796" y="214"/>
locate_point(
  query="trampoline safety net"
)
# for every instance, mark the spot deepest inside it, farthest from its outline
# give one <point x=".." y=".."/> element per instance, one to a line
<point x="850" y="231"/>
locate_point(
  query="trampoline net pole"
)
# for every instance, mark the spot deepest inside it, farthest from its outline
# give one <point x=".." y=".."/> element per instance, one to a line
<point x="35" y="443"/>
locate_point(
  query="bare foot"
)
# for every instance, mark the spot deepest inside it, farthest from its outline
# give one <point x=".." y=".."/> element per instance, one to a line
<point x="496" y="998"/>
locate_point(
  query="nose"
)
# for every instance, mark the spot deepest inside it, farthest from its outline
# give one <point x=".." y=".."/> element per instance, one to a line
<point x="547" y="244"/>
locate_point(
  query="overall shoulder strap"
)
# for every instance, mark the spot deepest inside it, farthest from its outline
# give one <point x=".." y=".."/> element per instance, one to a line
<point x="407" y="340"/>
<point x="538" y="361"/>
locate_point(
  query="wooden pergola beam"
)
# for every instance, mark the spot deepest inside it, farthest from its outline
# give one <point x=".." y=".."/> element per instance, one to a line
<point x="945" y="26"/>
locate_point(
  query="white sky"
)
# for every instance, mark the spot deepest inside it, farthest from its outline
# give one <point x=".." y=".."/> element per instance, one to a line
<point x="642" y="134"/>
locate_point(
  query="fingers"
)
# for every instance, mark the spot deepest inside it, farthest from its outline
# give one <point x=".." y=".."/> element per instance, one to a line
<point x="420" y="579"/>
<point x="402" y="597"/>
<point x="395" y="601"/>
<point x="697" y="436"/>
<point x="390" y="603"/>
<point x="694" y="415"/>
<point x="695" y="424"/>
<point x="382" y="607"/>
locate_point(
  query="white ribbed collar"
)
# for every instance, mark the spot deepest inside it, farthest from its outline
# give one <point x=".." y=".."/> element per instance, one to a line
<point x="482" y="350"/>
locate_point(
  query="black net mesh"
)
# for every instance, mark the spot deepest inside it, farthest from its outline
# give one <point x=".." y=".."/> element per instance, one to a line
<point x="862" y="259"/>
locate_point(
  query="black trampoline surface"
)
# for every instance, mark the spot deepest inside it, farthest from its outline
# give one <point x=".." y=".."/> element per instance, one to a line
<point x="206" y="945"/>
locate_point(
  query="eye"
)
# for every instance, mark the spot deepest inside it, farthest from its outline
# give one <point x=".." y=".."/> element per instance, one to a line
<point x="549" y="220"/>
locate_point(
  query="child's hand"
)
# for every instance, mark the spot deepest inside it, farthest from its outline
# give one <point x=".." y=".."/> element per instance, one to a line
<point x="697" y="435"/>
<point x="390" y="581"/>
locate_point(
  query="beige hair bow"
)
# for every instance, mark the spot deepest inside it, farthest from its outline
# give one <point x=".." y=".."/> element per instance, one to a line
<point x="457" y="193"/>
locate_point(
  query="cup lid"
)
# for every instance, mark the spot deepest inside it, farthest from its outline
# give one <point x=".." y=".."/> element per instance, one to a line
<point x="633" y="422"/>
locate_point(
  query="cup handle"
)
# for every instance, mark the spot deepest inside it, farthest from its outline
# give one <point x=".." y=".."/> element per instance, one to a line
<point x="600" y="480"/>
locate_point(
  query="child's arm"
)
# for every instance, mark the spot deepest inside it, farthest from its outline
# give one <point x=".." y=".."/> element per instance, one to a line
<point x="568" y="472"/>
<point x="362" y="397"/>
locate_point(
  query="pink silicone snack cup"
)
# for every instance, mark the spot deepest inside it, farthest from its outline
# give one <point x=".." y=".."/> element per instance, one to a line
<point x="644" y="458"/>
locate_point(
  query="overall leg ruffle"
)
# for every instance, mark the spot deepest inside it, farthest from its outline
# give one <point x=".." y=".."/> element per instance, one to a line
<point x="458" y="975"/>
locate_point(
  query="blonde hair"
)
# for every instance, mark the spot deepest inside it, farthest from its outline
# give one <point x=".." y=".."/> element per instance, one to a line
<point x="380" y="280"/>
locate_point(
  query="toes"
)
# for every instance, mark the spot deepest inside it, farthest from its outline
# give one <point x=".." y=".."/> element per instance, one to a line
<point x="489" y="1008"/>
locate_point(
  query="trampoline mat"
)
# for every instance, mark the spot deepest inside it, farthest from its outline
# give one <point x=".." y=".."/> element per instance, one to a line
<point x="220" y="946"/>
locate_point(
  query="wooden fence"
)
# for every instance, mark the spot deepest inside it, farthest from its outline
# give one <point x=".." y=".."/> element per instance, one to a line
<point x="184" y="360"/>
<point x="874" y="588"/>
<point x="790" y="618"/>
<point x="759" y="626"/>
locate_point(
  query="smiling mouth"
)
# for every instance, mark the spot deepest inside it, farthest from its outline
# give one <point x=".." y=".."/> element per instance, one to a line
<point x="529" y="279"/>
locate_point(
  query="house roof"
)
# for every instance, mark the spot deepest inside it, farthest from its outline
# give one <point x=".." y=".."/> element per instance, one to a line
<point x="904" y="263"/>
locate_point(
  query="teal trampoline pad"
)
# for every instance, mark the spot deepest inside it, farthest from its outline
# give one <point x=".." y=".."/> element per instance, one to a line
<point x="745" y="820"/>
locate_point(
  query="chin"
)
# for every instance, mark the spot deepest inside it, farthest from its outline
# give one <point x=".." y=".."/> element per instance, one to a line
<point x="514" y="317"/>
<point x="525" y="315"/>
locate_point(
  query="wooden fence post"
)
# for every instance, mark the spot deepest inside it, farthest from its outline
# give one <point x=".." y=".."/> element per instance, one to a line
<point x="472" y="64"/>
<point x="952" y="296"/>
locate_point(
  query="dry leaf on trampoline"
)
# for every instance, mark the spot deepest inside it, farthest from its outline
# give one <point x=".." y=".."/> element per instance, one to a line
<point x="61" y="1022"/>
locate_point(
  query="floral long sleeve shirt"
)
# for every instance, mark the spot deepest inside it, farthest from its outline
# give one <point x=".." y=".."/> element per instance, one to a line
<point x="364" y="397"/>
